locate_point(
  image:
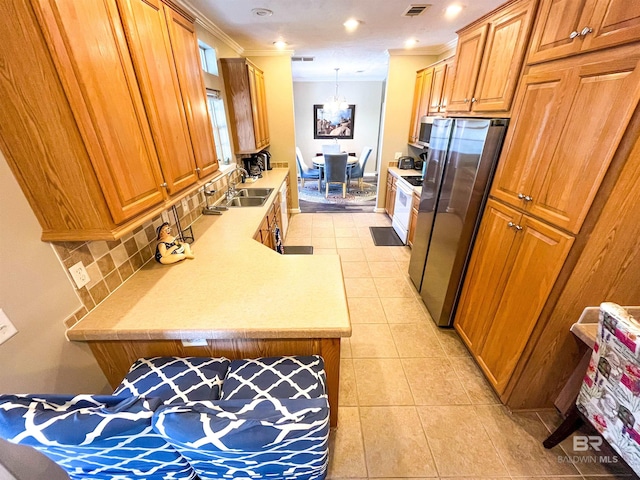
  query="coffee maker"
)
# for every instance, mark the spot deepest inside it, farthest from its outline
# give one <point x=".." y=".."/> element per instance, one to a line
<point x="257" y="163"/>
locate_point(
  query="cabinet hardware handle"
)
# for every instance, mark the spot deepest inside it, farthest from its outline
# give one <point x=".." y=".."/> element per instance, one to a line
<point x="466" y="100"/>
<point x="164" y="185"/>
<point x="586" y="30"/>
<point x="197" y="169"/>
<point x="521" y="196"/>
<point x="527" y="198"/>
<point x="518" y="228"/>
<point x="473" y="100"/>
<point x="511" y="224"/>
<point x="574" y="34"/>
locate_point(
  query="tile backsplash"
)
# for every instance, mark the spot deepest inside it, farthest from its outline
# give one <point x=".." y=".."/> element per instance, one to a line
<point x="110" y="263"/>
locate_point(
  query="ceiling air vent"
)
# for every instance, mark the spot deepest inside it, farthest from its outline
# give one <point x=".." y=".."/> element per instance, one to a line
<point x="416" y="9"/>
<point x="302" y="59"/>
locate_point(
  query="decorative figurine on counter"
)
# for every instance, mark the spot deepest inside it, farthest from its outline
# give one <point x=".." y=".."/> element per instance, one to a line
<point x="169" y="249"/>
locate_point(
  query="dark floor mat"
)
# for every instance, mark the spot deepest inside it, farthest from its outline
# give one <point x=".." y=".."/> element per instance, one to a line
<point x="385" y="237"/>
<point x="298" y="250"/>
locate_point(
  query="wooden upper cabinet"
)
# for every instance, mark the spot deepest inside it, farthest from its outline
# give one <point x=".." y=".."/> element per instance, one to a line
<point x="421" y="98"/>
<point x="567" y="27"/>
<point x="244" y="85"/>
<point x="489" y="59"/>
<point x="556" y="173"/>
<point x="468" y="58"/>
<point x="438" y="96"/>
<point x="147" y="31"/>
<point x="538" y="254"/>
<point x="103" y="94"/>
<point x="414" y="126"/>
<point x="184" y="45"/>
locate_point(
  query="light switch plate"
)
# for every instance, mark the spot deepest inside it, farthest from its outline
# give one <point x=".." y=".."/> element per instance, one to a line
<point x="398" y="155"/>
<point x="7" y="329"/>
<point x="185" y="206"/>
<point x="79" y="274"/>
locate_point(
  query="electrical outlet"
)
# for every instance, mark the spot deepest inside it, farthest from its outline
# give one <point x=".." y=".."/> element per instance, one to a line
<point x="196" y="342"/>
<point x="185" y="206"/>
<point x="79" y="275"/>
<point x="165" y="217"/>
<point x="7" y="329"/>
<point x="397" y="156"/>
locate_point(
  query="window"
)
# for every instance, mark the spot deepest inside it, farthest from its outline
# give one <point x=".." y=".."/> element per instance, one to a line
<point x="208" y="58"/>
<point x="219" y="125"/>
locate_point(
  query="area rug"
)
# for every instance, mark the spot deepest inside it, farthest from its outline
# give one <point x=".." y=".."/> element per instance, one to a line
<point x="385" y="237"/>
<point x="355" y="195"/>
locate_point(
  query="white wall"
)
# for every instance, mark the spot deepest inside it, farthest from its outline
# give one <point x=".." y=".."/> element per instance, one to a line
<point x="36" y="295"/>
<point x="366" y="96"/>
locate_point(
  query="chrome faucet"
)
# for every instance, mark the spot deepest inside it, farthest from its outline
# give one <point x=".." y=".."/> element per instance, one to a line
<point x="231" y="190"/>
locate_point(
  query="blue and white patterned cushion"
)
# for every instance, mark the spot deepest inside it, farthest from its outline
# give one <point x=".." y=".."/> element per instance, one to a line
<point x="93" y="437"/>
<point x="261" y="438"/>
<point x="175" y="379"/>
<point x="275" y="377"/>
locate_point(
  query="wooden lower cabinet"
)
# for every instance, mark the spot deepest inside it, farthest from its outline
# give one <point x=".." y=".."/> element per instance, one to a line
<point x="265" y="233"/>
<point x="414" y="218"/>
<point x="515" y="264"/>
<point x="390" y="199"/>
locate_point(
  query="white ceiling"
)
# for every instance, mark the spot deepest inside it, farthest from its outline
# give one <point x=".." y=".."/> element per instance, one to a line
<point x="315" y="28"/>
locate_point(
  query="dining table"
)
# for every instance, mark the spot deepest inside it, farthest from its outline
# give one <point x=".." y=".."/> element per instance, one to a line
<point x="318" y="162"/>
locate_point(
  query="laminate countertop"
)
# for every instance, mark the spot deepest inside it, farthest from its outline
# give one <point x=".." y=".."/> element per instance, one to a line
<point x="234" y="288"/>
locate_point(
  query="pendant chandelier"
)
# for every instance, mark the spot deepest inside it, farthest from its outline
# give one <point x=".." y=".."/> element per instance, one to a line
<point x="336" y="103"/>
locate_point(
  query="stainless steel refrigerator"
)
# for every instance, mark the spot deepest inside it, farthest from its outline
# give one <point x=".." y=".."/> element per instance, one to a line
<point x="456" y="181"/>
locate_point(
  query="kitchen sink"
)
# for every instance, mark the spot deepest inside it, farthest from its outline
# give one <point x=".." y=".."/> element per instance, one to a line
<point x="246" y="202"/>
<point x="253" y="192"/>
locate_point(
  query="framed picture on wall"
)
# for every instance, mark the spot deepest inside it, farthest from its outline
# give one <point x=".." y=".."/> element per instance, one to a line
<point x="333" y="123"/>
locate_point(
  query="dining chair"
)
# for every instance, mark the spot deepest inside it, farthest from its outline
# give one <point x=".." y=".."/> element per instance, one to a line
<point x="335" y="171"/>
<point x="304" y="171"/>
<point x="357" y="170"/>
<point x="331" y="148"/>
<point x="609" y="397"/>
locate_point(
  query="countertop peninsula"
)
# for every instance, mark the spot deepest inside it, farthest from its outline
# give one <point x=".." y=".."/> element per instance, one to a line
<point x="235" y="288"/>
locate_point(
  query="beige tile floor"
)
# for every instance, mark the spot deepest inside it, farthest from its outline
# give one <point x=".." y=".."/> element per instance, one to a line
<point x="413" y="403"/>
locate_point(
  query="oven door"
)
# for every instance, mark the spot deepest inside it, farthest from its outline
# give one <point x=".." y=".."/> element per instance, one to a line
<point x="402" y="210"/>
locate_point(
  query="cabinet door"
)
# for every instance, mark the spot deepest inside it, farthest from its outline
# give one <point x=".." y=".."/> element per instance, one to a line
<point x="538" y="108"/>
<point x="540" y="254"/>
<point x="149" y="43"/>
<point x="255" y="106"/>
<point x="507" y="39"/>
<point x="184" y="45"/>
<point x="468" y="57"/>
<point x="262" y="108"/>
<point x="614" y="22"/>
<point x="104" y="96"/>
<point x="425" y="95"/>
<point x="448" y="85"/>
<point x="414" y="126"/>
<point x="487" y="274"/>
<point x="437" y="88"/>
<point x="413" y="219"/>
<point x="559" y="21"/>
<point x="604" y="95"/>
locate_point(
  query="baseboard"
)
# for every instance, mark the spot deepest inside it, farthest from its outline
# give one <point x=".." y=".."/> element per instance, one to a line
<point x="294" y="210"/>
<point x="379" y="210"/>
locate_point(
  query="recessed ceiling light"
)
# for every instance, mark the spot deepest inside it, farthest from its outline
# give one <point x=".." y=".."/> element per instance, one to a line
<point x="412" y="42"/>
<point x="262" y="12"/>
<point x="352" y="24"/>
<point x="453" y="10"/>
<point x="280" y="44"/>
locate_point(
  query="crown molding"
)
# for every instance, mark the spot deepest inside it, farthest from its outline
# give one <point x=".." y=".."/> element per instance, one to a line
<point x="269" y="53"/>
<point x="211" y="27"/>
<point x="431" y="50"/>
